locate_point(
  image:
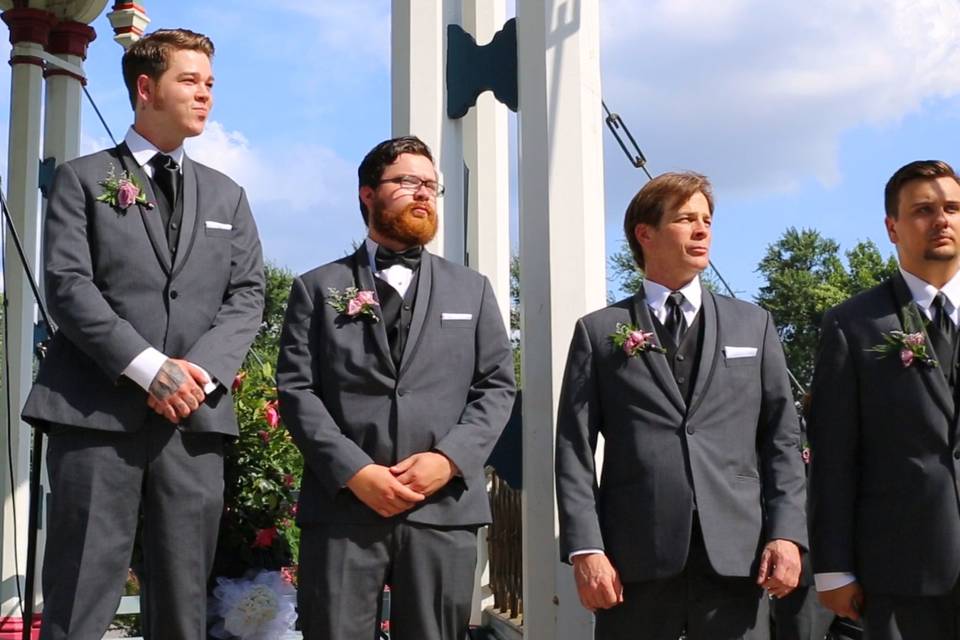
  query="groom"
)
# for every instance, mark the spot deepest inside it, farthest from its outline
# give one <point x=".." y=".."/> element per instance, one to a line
<point x="884" y="514"/>
<point x="395" y="378"/>
<point x="154" y="275"/>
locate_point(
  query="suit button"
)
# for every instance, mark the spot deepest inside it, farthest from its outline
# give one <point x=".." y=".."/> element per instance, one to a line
<point x="681" y="380"/>
<point x="173" y="225"/>
<point x="401" y="392"/>
<point x="956" y="455"/>
<point x="174" y="294"/>
<point x="407" y="307"/>
<point x="690" y="429"/>
<point x="680" y="357"/>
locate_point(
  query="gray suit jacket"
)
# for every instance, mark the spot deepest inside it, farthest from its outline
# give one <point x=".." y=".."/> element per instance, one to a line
<point x="735" y="450"/>
<point x="111" y="288"/>
<point x="347" y="405"/>
<point x="886" y="461"/>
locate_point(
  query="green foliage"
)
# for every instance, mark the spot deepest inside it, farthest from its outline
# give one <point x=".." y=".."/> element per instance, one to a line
<point x="515" y="314"/>
<point x="804" y="277"/>
<point x="263" y="467"/>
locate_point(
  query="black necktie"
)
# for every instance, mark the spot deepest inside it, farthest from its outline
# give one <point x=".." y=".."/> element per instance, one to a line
<point x="944" y="336"/>
<point x="409" y="258"/>
<point x="676" y="324"/>
<point x="166" y="173"/>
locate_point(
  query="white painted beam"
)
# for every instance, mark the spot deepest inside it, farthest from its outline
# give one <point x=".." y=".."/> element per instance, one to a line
<point x="561" y="269"/>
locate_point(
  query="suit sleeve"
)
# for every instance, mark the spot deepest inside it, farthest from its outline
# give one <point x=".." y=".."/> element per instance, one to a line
<point x="490" y="397"/>
<point x="333" y="457"/>
<point x="784" y="481"/>
<point x="578" y="423"/>
<point x="834" y="440"/>
<point x="221" y="350"/>
<point x="75" y="303"/>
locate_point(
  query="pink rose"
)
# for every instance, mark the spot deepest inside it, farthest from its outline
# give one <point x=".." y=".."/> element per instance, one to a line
<point x="289" y="480"/>
<point x="366" y="298"/>
<point x="127" y="194"/>
<point x="238" y="381"/>
<point x="354" y="307"/>
<point x="805" y="455"/>
<point x="264" y="435"/>
<point x="635" y="340"/>
<point x="271" y="414"/>
<point x="906" y="357"/>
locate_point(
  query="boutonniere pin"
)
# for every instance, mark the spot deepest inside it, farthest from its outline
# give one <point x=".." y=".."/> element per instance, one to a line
<point x="910" y="347"/>
<point x="122" y="190"/>
<point x="633" y="341"/>
<point x="354" y="302"/>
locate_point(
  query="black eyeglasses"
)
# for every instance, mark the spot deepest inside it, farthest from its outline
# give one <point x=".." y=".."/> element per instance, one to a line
<point x="413" y="184"/>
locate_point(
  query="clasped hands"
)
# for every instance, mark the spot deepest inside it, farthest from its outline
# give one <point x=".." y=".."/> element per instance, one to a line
<point x="393" y="490"/>
<point x="599" y="586"/>
<point x="177" y="389"/>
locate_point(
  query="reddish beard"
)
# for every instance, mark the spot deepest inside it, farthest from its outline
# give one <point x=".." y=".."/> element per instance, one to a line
<point x="404" y="226"/>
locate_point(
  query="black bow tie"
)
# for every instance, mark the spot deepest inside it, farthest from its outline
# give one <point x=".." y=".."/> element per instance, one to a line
<point x="410" y="258"/>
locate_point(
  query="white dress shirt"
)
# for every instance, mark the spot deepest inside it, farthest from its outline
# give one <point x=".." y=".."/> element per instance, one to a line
<point x="145" y="365"/>
<point x="397" y="276"/>
<point x="923" y="294"/>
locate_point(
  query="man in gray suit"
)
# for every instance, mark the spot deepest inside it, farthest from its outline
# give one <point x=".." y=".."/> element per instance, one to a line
<point x="699" y="507"/>
<point x="395" y="379"/>
<point x="155" y="277"/>
<point x="884" y="514"/>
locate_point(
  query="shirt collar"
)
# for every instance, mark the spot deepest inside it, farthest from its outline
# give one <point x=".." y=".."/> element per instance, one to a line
<point x="923" y="292"/>
<point x="372" y="254"/>
<point x="656" y="295"/>
<point x="143" y="150"/>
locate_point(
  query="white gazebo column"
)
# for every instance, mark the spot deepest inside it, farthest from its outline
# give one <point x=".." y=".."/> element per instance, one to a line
<point x="61" y="127"/>
<point x="485" y="148"/>
<point x="29" y="30"/>
<point x="419" y="44"/>
<point x="561" y="269"/>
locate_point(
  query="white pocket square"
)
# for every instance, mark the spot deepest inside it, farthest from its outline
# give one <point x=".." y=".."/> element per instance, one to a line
<point x="213" y="224"/>
<point x="456" y="316"/>
<point x="739" y="352"/>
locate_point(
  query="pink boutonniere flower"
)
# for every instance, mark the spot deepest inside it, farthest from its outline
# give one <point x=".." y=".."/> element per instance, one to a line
<point x="122" y="190"/>
<point x="353" y="302"/>
<point x="634" y="341"/>
<point x="909" y="347"/>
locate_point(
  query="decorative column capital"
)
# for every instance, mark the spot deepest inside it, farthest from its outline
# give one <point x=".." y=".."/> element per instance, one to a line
<point x="29" y="25"/>
<point x="129" y="20"/>
<point x="71" y="38"/>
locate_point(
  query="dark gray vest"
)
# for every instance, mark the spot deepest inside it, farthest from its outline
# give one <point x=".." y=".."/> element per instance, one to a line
<point x="684" y="359"/>
<point x="397" y="313"/>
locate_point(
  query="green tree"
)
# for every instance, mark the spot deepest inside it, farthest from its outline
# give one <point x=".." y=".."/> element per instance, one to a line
<point x="804" y="277"/>
<point x="628" y="276"/>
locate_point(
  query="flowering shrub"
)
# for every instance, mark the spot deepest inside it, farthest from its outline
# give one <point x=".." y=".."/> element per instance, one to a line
<point x="262" y="467"/>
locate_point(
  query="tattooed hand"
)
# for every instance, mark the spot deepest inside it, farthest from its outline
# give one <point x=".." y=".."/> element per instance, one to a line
<point x="176" y="390"/>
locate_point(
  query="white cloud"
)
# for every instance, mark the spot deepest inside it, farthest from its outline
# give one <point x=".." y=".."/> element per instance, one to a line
<point x="757" y="94"/>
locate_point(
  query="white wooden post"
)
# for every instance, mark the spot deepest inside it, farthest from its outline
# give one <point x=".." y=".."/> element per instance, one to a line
<point x="561" y="269"/>
<point x="29" y="30"/>
<point x="419" y="44"/>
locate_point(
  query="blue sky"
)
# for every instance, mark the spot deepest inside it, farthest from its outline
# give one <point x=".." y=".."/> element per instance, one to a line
<point x="799" y="112"/>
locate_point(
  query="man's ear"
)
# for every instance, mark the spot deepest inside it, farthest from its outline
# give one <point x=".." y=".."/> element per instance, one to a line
<point x="891" y="229"/>
<point x="642" y="233"/>
<point x="145" y="89"/>
<point x="367" y="196"/>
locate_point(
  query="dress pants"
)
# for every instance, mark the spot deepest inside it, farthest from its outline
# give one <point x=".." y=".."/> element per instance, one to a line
<point x="912" y="618"/>
<point x="344" y="567"/>
<point x="101" y="482"/>
<point x="705" y="605"/>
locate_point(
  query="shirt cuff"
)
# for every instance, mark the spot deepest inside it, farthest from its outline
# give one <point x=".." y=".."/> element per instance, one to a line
<point x="833" y="580"/>
<point x="211" y="385"/>
<point x="144" y="367"/>
<point x="583" y="552"/>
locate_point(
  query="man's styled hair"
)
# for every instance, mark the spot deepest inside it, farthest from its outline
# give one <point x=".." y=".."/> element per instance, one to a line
<point x="666" y="191"/>
<point x="150" y="55"/>
<point x="382" y="156"/>
<point x="916" y="170"/>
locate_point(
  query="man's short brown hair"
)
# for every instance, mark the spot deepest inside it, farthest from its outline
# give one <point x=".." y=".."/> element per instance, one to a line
<point x="916" y="170"/>
<point x="665" y="192"/>
<point x="150" y="55"/>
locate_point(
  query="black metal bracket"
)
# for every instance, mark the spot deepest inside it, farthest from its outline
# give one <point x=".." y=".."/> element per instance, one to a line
<point x="472" y="69"/>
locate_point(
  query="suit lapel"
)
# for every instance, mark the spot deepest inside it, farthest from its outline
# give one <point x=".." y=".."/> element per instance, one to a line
<point x="364" y="279"/>
<point x="191" y="220"/>
<point x="709" y="354"/>
<point x="420" y="307"/>
<point x="657" y="362"/>
<point x="149" y="215"/>
<point x="911" y="321"/>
